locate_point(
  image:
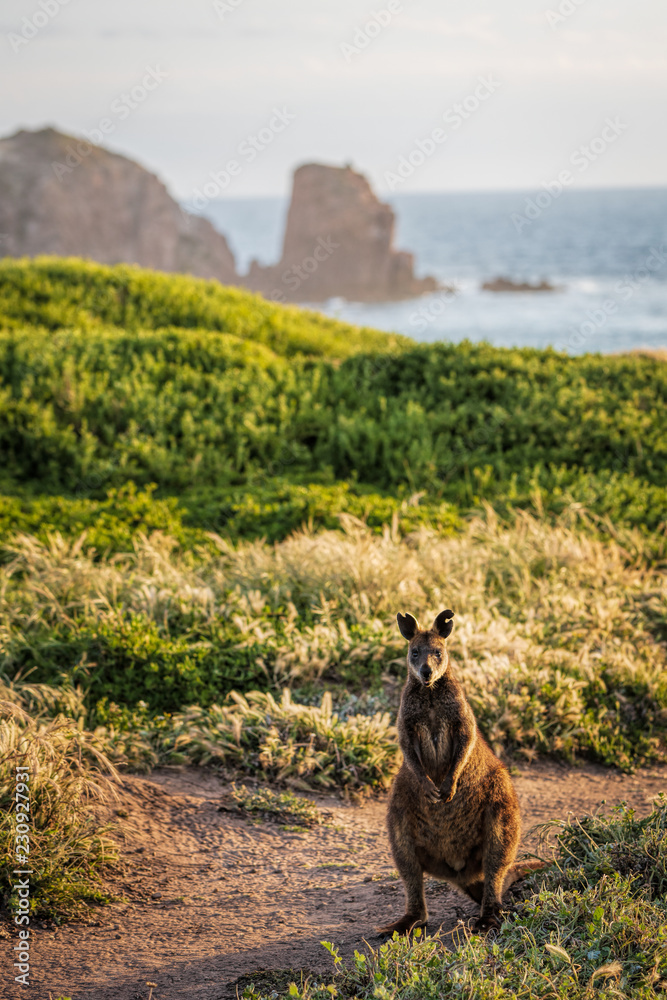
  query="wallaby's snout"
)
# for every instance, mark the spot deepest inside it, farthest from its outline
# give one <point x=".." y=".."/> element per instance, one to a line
<point x="425" y="674"/>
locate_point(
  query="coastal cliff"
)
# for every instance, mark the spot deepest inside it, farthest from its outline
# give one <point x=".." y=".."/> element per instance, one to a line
<point x="65" y="196"/>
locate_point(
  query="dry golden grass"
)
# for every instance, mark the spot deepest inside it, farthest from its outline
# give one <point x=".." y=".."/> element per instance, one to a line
<point x="559" y="632"/>
<point x="68" y="773"/>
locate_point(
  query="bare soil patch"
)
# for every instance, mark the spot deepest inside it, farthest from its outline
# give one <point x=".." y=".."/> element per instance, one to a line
<point x="209" y="897"/>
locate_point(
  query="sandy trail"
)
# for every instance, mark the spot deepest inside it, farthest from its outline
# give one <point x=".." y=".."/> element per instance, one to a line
<point x="210" y="897"/>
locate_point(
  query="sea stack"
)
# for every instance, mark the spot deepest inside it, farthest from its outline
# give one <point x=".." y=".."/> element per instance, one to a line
<point x="338" y="242"/>
<point x="65" y="196"/>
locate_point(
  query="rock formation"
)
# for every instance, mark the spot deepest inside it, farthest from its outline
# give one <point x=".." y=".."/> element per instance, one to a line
<point x="64" y="196"/>
<point x="338" y="242"/>
<point x="507" y="285"/>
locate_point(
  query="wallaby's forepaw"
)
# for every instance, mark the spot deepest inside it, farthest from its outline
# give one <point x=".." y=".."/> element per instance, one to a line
<point x="487" y="922"/>
<point x="402" y="926"/>
<point x="447" y="791"/>
<point x="432" y="793"/>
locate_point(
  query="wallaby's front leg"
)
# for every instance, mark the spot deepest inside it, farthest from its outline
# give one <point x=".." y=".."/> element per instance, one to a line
<point x="463" y="741"/>
<point x="409" y="743"/>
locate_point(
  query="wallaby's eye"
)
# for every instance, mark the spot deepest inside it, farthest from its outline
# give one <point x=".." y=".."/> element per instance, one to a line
<point x="414" y="654"/>
<point x="437" y="654"/>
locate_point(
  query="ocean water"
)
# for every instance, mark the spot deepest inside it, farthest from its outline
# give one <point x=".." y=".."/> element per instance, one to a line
<point x="606" y="250"/>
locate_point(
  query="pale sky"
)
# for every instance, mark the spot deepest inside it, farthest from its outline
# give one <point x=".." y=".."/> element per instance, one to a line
<point x="357" y="82"/>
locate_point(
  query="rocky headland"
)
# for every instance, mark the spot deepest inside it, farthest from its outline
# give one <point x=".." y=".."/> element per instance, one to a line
<point x="67" y="197"/>
<point x="64" y="196"/>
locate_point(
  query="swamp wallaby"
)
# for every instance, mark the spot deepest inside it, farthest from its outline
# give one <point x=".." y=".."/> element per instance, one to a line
<point x="453" y="812"/>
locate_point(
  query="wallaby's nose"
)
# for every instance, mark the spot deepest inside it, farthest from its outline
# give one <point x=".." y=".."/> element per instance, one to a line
<point x="426" y="674"/>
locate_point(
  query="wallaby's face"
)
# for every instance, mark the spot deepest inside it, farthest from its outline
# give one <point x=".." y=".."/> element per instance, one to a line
<point x="428" y="658"/>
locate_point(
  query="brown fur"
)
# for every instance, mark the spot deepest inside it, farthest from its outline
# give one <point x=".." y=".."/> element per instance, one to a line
<point x="453" y="812"/>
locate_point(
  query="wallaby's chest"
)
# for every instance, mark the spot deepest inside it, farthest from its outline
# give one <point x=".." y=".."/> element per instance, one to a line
<point x="431" y="736"/>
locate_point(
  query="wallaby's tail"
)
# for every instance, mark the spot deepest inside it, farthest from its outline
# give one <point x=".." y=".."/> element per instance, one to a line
<point x="520" y="869"/>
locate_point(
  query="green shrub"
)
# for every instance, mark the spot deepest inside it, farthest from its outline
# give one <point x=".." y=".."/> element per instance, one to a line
<point x="110" y="525"/>
<point x="272" y="510"/>
<point x="275" y="508"/>
<point x="129" y="658"/>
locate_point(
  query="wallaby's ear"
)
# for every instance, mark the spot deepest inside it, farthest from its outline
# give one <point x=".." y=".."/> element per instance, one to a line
<point x="407" y="625"/>
<point x="443" y="624"/>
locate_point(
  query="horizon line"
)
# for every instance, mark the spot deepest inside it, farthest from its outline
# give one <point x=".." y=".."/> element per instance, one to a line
<point x="448" y="191"/>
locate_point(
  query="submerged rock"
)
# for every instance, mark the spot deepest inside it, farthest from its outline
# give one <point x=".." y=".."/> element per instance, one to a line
<point x="506" y="285"/>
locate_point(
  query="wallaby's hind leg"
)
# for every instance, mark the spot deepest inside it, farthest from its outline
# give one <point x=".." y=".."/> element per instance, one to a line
<point x="514" y="873"/>
<point x="502" y="840"/>
<point x="412" y="874"/>
<point x="474" y="889"/>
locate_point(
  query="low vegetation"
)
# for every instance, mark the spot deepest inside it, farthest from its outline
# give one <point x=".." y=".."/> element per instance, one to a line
<point x="284" y="808"/>
<point x="593" y="925"/>
<point x="55" y="293"/>
<point x="111" y="375"/>
<point x="559" y="634"/>
<point x="212" y="507"/>
<point x="305" y="746"/>
<point x="68" y="773"/>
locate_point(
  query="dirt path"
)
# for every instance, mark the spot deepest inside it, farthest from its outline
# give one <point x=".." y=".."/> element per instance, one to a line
<point x="211" y="898"/>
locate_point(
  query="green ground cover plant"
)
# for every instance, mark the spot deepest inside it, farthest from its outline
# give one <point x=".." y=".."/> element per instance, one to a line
<point x="56" y="292"/>
<point x="593" y="925"/>
<point x="271" y="510"/>
<point x="111" y="375"/>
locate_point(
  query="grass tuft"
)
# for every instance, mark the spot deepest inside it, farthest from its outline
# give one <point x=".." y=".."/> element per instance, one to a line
<point x="283" y="808"/>
<point x="69" y="774"/>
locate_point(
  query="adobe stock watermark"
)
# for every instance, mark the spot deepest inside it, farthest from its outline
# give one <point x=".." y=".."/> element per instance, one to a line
<point x="293" y="277"/>
<point x="454" y="117"/>
<point x="365" y="33"/>
<point x="581" y="158"/>
<point x="225" y="7"/>
<point x="120" y="109"/>
<point x="35" y="22"/>
<point x="624" y="289"/>
<point x="565" y="9"/>
<point x="432" y="309"/>
<point x="247" y="152"/>
<point x="21" y="886"/>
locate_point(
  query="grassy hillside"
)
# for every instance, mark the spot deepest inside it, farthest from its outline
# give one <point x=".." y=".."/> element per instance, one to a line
<point x="55" y="293"/>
